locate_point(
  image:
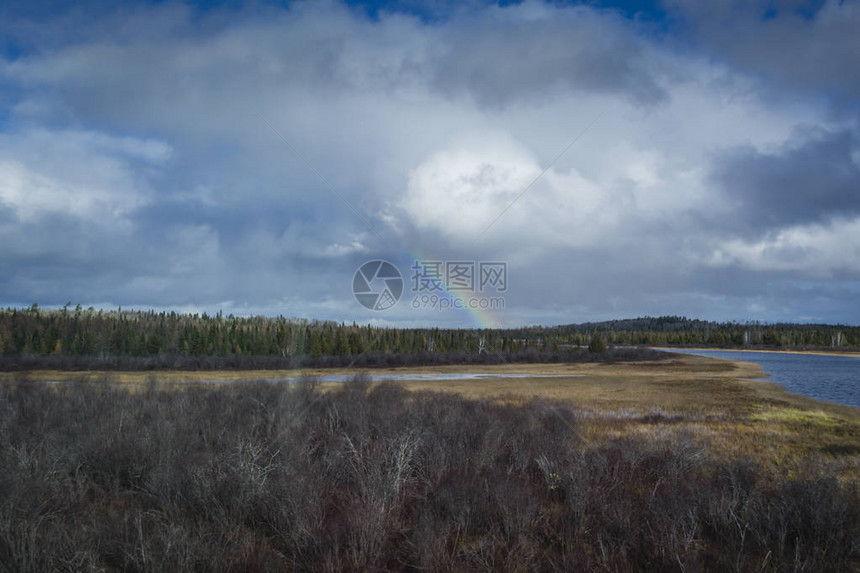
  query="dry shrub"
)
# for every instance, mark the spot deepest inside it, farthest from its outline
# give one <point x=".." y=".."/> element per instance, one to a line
<point x="261" y="476"/>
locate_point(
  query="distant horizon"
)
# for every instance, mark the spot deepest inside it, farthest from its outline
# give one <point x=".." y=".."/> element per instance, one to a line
<point x="215" y="312"/>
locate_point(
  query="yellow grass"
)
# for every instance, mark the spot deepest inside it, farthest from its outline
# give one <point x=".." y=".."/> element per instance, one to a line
<point x="726" y="403"/>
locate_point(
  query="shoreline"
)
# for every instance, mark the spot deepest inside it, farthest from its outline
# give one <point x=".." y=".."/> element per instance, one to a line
<point x="684" y="382"/>
<point x="134" y="376"/>
<point x="768" y="351"/>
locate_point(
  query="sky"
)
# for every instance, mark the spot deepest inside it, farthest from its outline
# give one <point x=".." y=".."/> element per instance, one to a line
<point x="620" y="158"/>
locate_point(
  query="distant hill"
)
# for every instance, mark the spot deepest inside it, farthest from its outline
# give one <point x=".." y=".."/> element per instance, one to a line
<point x="683" y="330"/>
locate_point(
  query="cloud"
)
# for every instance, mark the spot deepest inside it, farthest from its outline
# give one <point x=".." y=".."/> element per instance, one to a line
<point x="812" y="179"/>
<point x="491" y="184"/>
<point x="159" y="155"/>
<point x="85" y="174"/>
<point x="504" y="55"/>
<point x="810" y="251"/>
<point x="794" y="45"/>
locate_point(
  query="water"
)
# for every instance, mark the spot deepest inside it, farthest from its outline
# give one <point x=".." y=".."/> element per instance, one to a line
<point x="405" y="377"/>
<point x="831" y="378"/>
<point x="381" y="377"/>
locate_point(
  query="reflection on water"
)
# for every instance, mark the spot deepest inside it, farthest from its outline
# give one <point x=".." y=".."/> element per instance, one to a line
<point x="831" y="378"/>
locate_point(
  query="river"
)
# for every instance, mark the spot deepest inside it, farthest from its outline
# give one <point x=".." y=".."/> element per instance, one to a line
<point x="831" y="378"/>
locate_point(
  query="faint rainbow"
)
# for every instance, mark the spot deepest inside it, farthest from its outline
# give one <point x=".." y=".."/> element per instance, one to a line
<point x="476" y="317"/>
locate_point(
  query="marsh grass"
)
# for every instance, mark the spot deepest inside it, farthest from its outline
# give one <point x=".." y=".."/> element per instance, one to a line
<point x="372" y="477"/>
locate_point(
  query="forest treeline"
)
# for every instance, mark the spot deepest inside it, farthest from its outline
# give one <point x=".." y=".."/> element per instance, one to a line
<point x="78" y="332"/>
<point x="678" y="330"/>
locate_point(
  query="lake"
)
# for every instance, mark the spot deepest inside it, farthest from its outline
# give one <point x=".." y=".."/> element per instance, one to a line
<point x="831" y="378"/>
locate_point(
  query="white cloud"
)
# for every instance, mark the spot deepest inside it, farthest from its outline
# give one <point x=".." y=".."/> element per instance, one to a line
<point x="488" y="185"/>
<point x="817" y="251"/>
<point x="85" y="174"/>
<point x="462" y="188"/>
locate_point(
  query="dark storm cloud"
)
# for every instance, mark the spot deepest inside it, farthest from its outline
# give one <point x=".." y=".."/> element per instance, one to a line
<point x="61" y="254"/>
<point x="167" y="62"/>
<point x="812" y="181"/>
<point x="500" y="59"/>
<point x="807" y="45"/>
<point x="179" y="254"/>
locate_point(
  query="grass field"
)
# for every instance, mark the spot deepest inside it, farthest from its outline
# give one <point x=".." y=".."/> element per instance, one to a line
<point x="729" y="403"/>
<point x="724" y="402"/>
